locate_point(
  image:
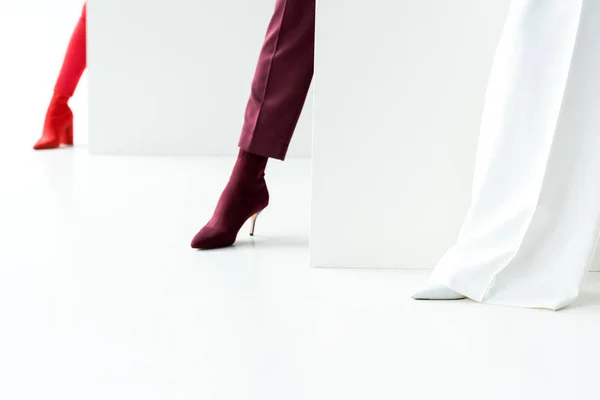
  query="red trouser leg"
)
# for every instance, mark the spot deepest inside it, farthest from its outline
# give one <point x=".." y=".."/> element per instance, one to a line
<point x="75" y="60"/>
<point x="58" y="126"/>
<point x="282" y="79"/>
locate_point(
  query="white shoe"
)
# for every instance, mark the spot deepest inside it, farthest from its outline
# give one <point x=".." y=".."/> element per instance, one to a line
<point x="437" y="292"/>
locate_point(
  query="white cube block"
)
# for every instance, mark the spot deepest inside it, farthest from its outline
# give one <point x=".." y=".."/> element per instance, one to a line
<point x="399" y="90"/>
<point x="173" y="77"/>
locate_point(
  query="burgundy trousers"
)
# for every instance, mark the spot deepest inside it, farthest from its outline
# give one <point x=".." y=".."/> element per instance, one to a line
<point x="282" y="79"/>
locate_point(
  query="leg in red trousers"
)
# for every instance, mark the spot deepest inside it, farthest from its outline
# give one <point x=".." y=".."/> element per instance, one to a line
<point x="58" y="126"/>
<point x="279" y="89"/>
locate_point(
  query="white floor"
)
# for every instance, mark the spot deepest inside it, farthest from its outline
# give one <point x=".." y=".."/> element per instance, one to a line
<point x="102" y="298"/>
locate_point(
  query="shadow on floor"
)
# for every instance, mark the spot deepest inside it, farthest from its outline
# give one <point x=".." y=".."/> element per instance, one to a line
<point x="267" y="242"/>
<point x="585" y="300"/>
<point x="293" y="241"/>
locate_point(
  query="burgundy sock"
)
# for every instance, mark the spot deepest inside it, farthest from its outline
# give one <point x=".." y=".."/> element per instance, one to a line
<point x="249" y="168"/>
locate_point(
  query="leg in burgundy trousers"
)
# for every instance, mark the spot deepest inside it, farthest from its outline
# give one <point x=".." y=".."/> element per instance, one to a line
<point x="282" y="79"/>
<point x="58" y="126"/>
<point x="281" y="82"/>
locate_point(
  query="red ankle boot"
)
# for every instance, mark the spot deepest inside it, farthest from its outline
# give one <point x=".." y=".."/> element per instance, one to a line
<point x="244" y="197"/>
<point x="58" y="127"/>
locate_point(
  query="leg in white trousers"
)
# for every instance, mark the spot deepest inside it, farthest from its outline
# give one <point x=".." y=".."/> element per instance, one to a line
<point x="530" y="233"/>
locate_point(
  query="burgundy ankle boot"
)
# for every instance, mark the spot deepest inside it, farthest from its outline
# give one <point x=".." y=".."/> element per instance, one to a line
<point x="244" y="197"/>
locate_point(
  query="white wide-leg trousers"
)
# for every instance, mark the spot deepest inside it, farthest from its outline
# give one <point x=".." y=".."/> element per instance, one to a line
<point x="530" y="233"/>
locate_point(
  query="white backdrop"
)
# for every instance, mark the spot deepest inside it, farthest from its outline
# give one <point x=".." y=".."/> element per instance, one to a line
<point x="33" y="38"/>
<point x="399" y="91"/>
<point x="397" y="111"/>
<point x="173" y="77"/>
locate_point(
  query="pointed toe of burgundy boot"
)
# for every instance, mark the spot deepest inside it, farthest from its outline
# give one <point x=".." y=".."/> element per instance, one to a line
<point x="210" y="238"/>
